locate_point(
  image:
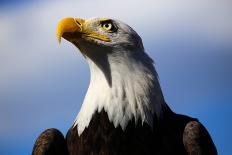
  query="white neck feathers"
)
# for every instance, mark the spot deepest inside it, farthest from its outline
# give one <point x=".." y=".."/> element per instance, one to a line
<point x="134" y="92"/>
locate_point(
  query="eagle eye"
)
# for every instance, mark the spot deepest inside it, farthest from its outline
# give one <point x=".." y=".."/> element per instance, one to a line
<point x="108" y="26"/>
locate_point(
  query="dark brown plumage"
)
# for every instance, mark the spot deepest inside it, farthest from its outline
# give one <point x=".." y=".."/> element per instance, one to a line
<point x="50" y="142"/>
<point x="197" y="140"/>
<point x="173" y="134"/>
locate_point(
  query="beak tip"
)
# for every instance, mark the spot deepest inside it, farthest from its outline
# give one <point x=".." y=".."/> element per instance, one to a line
<point x="59" y="33"/>
<point x="58" y="36"/>
<point x="59" y="41"/>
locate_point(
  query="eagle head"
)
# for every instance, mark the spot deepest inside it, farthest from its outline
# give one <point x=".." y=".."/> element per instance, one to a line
<point x="123" y="79"/>
<point x="106" y="35"/>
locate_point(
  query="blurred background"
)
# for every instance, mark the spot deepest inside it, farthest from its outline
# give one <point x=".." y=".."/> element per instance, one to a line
<point x="42" y="83"/>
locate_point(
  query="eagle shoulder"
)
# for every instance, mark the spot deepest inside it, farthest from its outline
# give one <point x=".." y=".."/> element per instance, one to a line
<point x="49" y="142"/>
<point x="197" y="140"/>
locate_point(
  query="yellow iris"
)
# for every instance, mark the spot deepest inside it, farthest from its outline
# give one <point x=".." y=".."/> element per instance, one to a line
<point x="107" y="26"/>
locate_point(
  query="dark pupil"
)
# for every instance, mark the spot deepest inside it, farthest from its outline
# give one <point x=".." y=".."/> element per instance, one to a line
<point x="107" y="25"/>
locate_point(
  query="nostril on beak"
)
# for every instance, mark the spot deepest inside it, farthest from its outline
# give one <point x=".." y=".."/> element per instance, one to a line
<point x="78" y="22"/>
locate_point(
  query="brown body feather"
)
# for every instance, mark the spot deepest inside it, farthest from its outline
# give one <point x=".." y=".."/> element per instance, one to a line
<point x="173" y="134"/>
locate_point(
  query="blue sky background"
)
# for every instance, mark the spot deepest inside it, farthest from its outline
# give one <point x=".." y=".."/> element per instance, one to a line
<point x="42" y="84"/>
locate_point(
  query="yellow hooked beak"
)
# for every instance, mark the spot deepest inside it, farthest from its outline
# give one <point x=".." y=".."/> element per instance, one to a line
<point x="69" y="26"/>
<point x="75" y="28"/>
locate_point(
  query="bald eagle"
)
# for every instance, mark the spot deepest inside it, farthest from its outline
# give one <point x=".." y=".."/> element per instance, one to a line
<point x="124" y="111"/>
